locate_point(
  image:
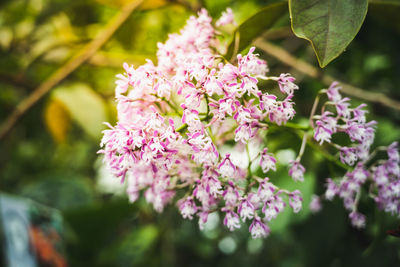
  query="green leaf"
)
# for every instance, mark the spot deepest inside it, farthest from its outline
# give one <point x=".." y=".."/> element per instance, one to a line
<point x="254" y="26"/>
<point x="330" y="25"/>
<point x="85" y="106"/>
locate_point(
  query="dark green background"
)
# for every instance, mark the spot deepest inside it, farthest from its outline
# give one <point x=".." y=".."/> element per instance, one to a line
<point x="104" y="229"/>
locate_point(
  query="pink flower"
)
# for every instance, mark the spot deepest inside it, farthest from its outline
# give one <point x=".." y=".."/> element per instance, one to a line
<point x="213" y="85"/>
<point x="273" y="207"/>
<point x="231" y="195"/>
<point x="266" y="190"/>
<point x="296" y="171"/>
<point x="252" y="65"/>
<point x="203" y="217"/>
<point x="231" y="220"/>
<point x="393" y="152"/>
<point x="267" y="161"/>
<point x="357" y="219"/>
<point x="246" y="210"/>
<point x="332" y="189"/>
<point x="267" y="102"/>
<point x="188" y="208"/>
<point x="348" y="155"/>
<point x="226" y="167"/>
<point x="359" y="174"/>
<point x="333" y="92"/>
<point x="213" y="186"/>
<point x="226" y="18"/>
<point x="315" y="204"/>
<point x="322" y="134"/>
<point x="259" y="229"/>
<point x="243" y="133"/>
<point x="286" y="84"/>
<point x="295" y="201"/>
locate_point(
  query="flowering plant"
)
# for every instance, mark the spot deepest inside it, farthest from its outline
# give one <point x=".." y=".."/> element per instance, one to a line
<point x="182" y="123"/>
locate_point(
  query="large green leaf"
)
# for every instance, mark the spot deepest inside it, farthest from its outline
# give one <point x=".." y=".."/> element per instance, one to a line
<point x="254" y="26"/>
<point x="330" y="25"/>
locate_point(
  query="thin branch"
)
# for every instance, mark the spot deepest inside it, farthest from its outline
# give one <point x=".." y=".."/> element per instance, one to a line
<point x="303" y="146"/>
<point x="314" y="72"/>
<point x="314" y="108"/>
<point x="84" y="54"/>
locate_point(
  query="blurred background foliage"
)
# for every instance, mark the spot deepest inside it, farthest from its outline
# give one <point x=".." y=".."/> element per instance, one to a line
<point x="50" y="155"/>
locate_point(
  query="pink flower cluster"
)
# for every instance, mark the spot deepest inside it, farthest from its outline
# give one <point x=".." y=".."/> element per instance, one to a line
<point x="383" y="176"/>
<point x="174" y="119"/>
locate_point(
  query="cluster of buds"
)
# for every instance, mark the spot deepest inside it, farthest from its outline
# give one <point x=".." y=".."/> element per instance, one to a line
<point x="175" y="119"/>
<point x="383" y="176"/>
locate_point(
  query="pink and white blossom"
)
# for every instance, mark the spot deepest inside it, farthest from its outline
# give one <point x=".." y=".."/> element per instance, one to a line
<point x="161" y="147"/>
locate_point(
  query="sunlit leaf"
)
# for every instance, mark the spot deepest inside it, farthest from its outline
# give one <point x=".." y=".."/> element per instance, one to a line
<point x="85" y="106"/>
<point x="330" y="25"/>
<point x="6" y="37"/>
<point x="57" y="120"/>
<point x="254" y="26"/>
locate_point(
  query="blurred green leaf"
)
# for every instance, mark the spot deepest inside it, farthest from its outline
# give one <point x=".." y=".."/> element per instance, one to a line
<point x="330" y="25"/>
<point x="132" y="247"/>
<point x="254" y="26"/>
<point x="60" y="191"/>
<point x="84" y="105"/>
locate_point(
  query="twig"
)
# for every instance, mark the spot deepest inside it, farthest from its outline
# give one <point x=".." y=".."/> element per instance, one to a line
<point x="314" y="108"/>
<point x="84" y="54"/>
<point x="313" y="72"/>
<point x="303" y="146"/>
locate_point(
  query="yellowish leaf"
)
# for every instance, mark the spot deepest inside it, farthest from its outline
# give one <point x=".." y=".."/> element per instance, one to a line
<point x="57" y="120"/>
<point x="85" y="106"/>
